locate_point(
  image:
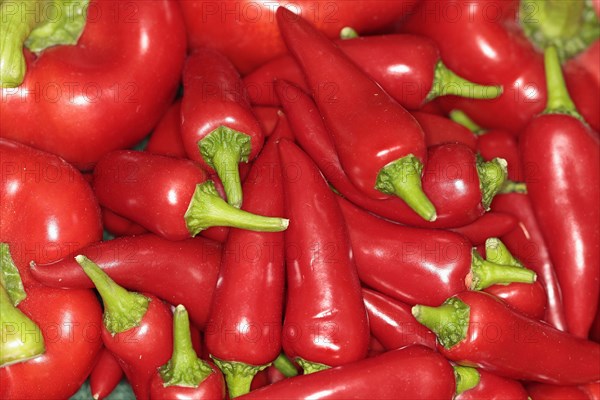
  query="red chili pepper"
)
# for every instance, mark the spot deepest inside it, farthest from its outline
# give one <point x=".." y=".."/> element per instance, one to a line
<point x="448" y="170"/>
<point x="168" y="196"/>
<point x="243" y="334"/>
<point x="380" y="145"/>
<point x="246" y="31"/>
<point x="417" y="371"/>
<point x="478" y="329"/>
<point x="408" y="67"/>
<point x="185" y="375"/>
<point x="116" y="79"/>
<point x="562" y="153"/>
<point x="105" y="375"/>
<point x="441" y="130"/>
<point x="592" y="390"/>
<point x="119" y="226"/>
<point x="48" y="210"/>
<point x="392" y="323"/>
<point x="583" y="82"/>
<point x="137" y="328"/>
<point x="267" y="118"/>
<point x="182" y="272"/>
<point x="219" y="129"/>
<point x="325" y="321"/>
<point x="541" y="391"/>
<point x="477" y="384"/>
<point x="490" y="224"/>
<point x="166" y="136"/>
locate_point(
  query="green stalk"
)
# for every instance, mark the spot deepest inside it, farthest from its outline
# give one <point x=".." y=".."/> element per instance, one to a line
<point x="559" y="100"/>
<point x="498" y="253"/>
<point x="123" y="309"/>
<point x="460" y="117"/>
<point x="492" y="175"/>
<point x="466" y="378"/>
<point x="285" y="366"/>
<point x="446" y="82"/>
<point x="348" y="33"/>
<point x="310" y="367"/>
<point x="402" y="178"/>
<point x="450" y="321"/>
<point x="238" y="375"/>
<point x="184" y="368"/>
<point x="10" y="279"/>
<point x="485" y="273"/>
<point x="208" y="209"/>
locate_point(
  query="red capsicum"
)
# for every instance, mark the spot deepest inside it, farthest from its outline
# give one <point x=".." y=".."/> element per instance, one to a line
<point x="105" y="375"/>
<point x="381" y="147"/>
<point x="116" y="77"/>
<point x="136" y="328"/>
<point x="440" y="130"/>
<point x="542" y="391"/>
<point x="219" y="129"/>
<point x="490" y="224"/>
<point x="477" y="384"/>
<point x="562" y="183"/>
<point x="243" y="334"/>
<point x="116" y="225"/>
<point x="459" y="185"/>
<point x="325" y="321"/>
<point x="418" y="373"/>
<point x="181" y="272"/>
<point x="185" y="375"/>
<point x="48" y="210"/>
<point x="478" y="329"/>
<point x="408" y="67"/>
<point x="166" y="135"/>
<point x="170" y="197"/>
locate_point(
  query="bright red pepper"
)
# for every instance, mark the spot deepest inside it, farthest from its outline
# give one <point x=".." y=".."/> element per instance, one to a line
<point x="168" y="196"/>
<point x="440" y="130"/>
<point x="243" y="334"/>
<point x="136" y="329"/>
<point x="562" y="154"/>
<point x="380" y="145"/>
<point x="48" y="210"/>
<point x="490" y="224"/>
<point x="116" y="81"/>
<point x="541" y="391"/>
<point x="182" y="272"/>
<point x="267" y="117"/>
<point x="478" y="329"/>
<point x="119" y="226"/>
<point x="325" y="321"/>
<point x="166" y="135"/>
<point x="105" y="375"/>
<point x="417" y="371"/>
<point x="483" y="385"/>
<point x="218" y="128"/>
<point x="246" y="31"/>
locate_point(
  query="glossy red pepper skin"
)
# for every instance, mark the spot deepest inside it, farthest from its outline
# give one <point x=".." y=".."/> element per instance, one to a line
<point x="528" y="298"/>
<point x="503" y="341"/>
<point x="441" y="130"/>
<point x="166" y="135"/>
<point x="246" y="31"/>
<point x="116" y="81"/>
<point x="419" y="373"/>
<point x="501" y="143"/>
<point x="150" y="189"/>
<point x="70" y="321"/>
<point x="494" y="387"/>
<point x="540" y="391"/>
<point x="119" y="226"/>
<point x="48" y="210"/>
<point x="490" y="224"/>
<point x="267" y="118"/>
<point x="567" y="212"/>
<point x="182" y="272"/>
<point x="584" y="84"/>
<point x="369" y="128"/>
<point x="392" y="323"/>
<point x="454" y="208"/>
<point x="105" y="375"/>
<point x="325" y="318"/>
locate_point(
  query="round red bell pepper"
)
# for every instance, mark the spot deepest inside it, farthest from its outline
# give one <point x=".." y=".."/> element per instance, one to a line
<point x="107" y="90"/>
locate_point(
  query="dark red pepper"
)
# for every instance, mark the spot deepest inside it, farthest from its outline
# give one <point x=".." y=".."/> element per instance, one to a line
<point x="490" y="224"/>
<point x="542" y="391"/>
<point x="105" y="375"/>
<point x="218" y="128"/>
<point x="417" y="371"/>
<point x="182" y="272"/>
<point x="440" y="130"/>
<point x="325" y="321"/>
<point x="561" y="154"/>
<point x="477" y="384"/>
<point x="119" y="226"/>
<point x="166" y="136"/>
<point x="478" y="329"/>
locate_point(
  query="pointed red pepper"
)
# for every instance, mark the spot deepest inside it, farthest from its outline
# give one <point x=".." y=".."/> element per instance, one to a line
<point x="105" y="376"/>
<point x="477" y="384"/>
<point x="166" y="135"/>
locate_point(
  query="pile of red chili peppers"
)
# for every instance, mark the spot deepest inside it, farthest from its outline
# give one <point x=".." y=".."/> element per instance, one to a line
<point x="292" y="200"/>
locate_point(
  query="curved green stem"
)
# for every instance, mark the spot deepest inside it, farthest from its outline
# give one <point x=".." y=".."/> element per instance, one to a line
<point x="348" y="33"/>
<point x="402" y="178"/>
<point x="123" y="309"/>
<point x="310" y="367"/>
<point x="559" y="100"/>
<point x="184" y="368"/>
<point x="460" y="117"/>
<point x="446" y="82"/>
<point x="498" y="253"/>
<point x="10" y="279"/>
<point x="223" y="149"/>
<point x="466" y="378"/>
<point x="208" y="209"/>
<point x="450" y="321"/>
<point x="492" y="175"/>
<point x="285" y="366"/>
<point x="20" y="338"/>
<point x="485" y="273"/>
<point x="238" y="375"/>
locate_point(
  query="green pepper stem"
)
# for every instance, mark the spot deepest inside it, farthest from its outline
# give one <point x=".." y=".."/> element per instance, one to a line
<point x="460" y="117"/>
<point x="510" y="186"/>
<point x="208" y="209"/>
<point x="238" y="375"/>
<point x="446" y="82"/>
<point x="498" y="253"/>
<point x="123" y="309"/>
<point x="348" y="32"/>
<point x="485" y="273"/>
<point x="559" y="100"/>
<point x="311" y="367"/>
<point x="450" y="321"/>
<point x="10" y="278"/>
<point x="466" y="378"/>
<point x="285" y="366"/>
<point x="492" y="175"/>
<point x="402" y="178"/>
<point x="184" y="368"/>
<point x="20" y="338"/>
